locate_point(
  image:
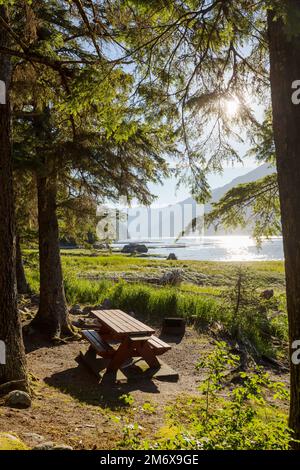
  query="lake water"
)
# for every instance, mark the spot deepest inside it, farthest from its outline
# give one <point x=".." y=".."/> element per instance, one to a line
<point x="219" y="248"/>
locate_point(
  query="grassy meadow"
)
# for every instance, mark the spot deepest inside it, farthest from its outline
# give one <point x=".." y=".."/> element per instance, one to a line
<point x="206" y="296"/>
<point x="215" y="404"/>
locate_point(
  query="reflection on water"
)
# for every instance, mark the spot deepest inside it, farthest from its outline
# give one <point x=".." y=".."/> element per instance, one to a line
<point x="222" y="248"/>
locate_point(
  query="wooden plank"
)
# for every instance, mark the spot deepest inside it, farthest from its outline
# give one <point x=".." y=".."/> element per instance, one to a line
<point x="127" y="321"/>
<point x="131" y="320"/>
<point x="96" y="364"/>
<point x="139" y="325"/>
<point x="121" y="323"/>
<point x="117" y="324"/>
<point x="158" y="344"/>
<point x="107" y="321"/>
<point x="122" y="317"/>
<point x="139" y="338"/>
<point x="97" y="342"/>
<point x="158" y="341"/>
<point x="148" y="354"/>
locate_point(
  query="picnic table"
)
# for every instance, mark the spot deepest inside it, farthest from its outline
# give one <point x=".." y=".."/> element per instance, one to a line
<point x="118" y="338"/>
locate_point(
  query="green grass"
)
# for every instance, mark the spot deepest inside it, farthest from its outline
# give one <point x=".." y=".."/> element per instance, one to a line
<point x="153" y="303"/>
<point x="249" y="416"/>
<point x="200" y="304"/>
<point x="157" y="303"/>
<point x="202" y="290"/>
<point x="269" y="274"/>
<point x="145" y="300"/>
<point x="186" y="427"/>
<point x="84" y="291"/>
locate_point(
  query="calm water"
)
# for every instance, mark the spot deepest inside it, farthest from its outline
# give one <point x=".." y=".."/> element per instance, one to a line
<point x="221" y="248"/>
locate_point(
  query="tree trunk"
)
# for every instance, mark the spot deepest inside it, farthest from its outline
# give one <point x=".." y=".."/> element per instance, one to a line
<point x="10" y="325"/>
<point x="284" y="44"/>
<point x="52" y="317"/>
<point x="22" y="285"/>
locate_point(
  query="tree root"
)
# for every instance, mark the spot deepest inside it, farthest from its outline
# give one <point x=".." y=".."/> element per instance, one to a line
<point x="54" y="331"/>
<point x="13" y="385"/>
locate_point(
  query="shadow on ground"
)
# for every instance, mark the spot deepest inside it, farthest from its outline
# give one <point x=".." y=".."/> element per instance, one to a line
<point x="35" y="341"/>
<point x="82" y="385"/>
<point x="175" y="339"/>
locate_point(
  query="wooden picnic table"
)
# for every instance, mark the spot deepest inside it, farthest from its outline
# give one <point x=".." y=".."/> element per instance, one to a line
<point x="120" y="324"/>
<point x="119" y="337"/>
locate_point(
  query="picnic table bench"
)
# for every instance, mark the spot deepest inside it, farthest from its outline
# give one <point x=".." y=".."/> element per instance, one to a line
<point x="118" y="338"/>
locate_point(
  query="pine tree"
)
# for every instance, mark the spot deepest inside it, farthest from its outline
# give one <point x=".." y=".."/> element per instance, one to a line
<point x="14" y="370"/>
<point x="76" y="101"/>
<point x="207" y="54"/>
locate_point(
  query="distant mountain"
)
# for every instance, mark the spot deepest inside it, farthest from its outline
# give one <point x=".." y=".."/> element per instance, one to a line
<point x="254" y="175"/>
<point x="145" y="223"/>
<point x="258" y="173"/>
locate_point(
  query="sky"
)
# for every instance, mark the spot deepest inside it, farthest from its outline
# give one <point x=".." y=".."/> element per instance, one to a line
<point x="167" y="193"/>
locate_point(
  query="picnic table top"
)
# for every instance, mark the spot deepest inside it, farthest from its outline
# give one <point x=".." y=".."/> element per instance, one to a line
<point x="121" y="323"/>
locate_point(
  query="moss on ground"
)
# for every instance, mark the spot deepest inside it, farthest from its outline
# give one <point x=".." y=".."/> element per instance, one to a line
<point x="11" y="442"/>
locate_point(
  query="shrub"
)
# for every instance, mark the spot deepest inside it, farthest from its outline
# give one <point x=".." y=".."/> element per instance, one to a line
<point x="244" y="421"/>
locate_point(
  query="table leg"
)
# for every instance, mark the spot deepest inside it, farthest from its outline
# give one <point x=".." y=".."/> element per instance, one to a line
<point x="148" y="355"/>
<point x="123" y="353"/>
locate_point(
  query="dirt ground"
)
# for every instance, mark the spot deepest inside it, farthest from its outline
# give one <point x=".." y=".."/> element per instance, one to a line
<point x="69" y="406"/>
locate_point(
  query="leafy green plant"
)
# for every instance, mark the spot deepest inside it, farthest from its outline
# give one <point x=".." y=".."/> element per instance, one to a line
<point x="131" y="437"/>
<point x="243" y="417"/>
<point x="249" y="312"/>
<point x="148" y="408"/>
<point x="127" y="399"/>
<point x="217" y="363"/>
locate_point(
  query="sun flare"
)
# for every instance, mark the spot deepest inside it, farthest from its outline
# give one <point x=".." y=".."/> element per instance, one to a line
<point x="231" y="107"/>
